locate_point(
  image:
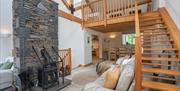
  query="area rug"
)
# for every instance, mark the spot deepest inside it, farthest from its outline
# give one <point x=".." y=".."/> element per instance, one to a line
<point x="80" y="77"/>
<point x="84" y="77"/>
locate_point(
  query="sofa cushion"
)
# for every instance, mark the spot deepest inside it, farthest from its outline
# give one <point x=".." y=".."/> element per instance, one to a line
<point x="120" y="60"/>
<point x="104" y="66"/>
<point x="126" y="78"/>
<point x="1" y="64"/>
<point x="95" y="87"/>
<point x="6" y="78"/>
<point x="6" y="65"/>
<point x="112" y="76"/>
<point x="132" y="86"/>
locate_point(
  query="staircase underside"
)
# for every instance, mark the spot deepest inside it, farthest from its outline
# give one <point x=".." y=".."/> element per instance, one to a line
<point x="125" y="27"/>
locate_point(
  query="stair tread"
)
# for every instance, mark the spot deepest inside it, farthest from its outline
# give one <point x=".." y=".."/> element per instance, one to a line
<point x="157" y="31"/>
<point x="160" y="86"/>
<point x="155" y="28"/>
<point x="161" y="53"/>
<point x="156" y="37"/>
<point x="151" y="24"/>
<point x="150" y="19"/>
<point x="160" y="49"/>
<point x="162" y="71"/>
<point x="157" y="41"/>
<point x="158" y="45"/>
<point x="158" y="64"/>
<point x="150" y="14"/>
<point x="160" y="59"/>
<point x="152" y="34"/>
<point x="160" y="77"/>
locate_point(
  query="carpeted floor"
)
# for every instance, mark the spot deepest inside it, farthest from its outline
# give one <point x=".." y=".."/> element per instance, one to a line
<point x="80" y="77"/>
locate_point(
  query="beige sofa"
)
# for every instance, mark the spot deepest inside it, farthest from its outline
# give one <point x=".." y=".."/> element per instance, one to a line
<point x="125" y="82"/>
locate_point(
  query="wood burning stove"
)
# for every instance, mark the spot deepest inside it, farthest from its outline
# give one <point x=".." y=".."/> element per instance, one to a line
<point x="48" y="74"/>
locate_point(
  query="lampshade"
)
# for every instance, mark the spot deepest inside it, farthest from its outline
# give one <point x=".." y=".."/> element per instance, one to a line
<point x="5" y="33"/>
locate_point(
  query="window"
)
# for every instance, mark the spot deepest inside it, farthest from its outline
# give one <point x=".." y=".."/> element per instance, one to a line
<point x="128" y="39"/>
<point x="77" y="1"/>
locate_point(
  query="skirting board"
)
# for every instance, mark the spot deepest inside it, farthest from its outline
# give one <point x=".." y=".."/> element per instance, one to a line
<point x="85" y="65"/>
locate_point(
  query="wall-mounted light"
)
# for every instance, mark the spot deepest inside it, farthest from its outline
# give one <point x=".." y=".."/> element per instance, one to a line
<point x="5" y="33"/>
<point x="112" y="36"/>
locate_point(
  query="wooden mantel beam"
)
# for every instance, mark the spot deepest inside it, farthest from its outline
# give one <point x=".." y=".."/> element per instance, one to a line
<point x="69" y="16"/>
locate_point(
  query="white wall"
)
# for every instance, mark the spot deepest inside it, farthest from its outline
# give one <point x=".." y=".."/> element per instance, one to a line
<point x="172" y="6"/>
<point x="88" y="46"/>
<point x="71" y="36"/>
<point x="112" y="42"/>
<point x="6" y="42"/>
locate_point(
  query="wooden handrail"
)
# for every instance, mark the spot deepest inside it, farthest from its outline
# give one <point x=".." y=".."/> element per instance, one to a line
<point x="103" y="10"/>
<point x="85" y="5"/>
<point x="174" y="31"/>
<point x="66" y="55"/>
<point x="105" y="14"/>
<point x="138" y="56"/>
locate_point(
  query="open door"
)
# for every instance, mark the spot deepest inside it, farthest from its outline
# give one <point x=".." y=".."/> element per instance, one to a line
<point x="95" y="49"/>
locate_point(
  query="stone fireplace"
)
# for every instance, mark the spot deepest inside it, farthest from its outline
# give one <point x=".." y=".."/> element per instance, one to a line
<point x="35" y="23"/>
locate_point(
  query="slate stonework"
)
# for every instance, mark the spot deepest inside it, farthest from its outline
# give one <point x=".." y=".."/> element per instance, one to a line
<point x="35" y="23"/>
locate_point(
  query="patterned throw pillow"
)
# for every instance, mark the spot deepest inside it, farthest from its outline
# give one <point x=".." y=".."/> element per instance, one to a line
<point x="112" y="76"/>
<point x="6" y="65"/>
<point x="1" y="64"/>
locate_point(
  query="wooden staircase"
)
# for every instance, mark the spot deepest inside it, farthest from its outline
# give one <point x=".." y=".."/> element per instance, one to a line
<point x="160" y="58"/>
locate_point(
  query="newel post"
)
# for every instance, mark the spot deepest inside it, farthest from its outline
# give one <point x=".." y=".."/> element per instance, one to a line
<point x="138" y="55"/>
<point x="105" y="14"/>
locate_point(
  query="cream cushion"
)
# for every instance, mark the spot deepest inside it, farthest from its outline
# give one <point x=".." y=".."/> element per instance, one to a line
<point x="127" y="76"/>
<point x="120" y="60"/>
<point x="112" y="76"/>
<point x="95" y="87"/>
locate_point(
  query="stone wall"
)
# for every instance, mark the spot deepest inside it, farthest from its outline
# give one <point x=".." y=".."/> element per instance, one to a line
<point x="35" y="23"/>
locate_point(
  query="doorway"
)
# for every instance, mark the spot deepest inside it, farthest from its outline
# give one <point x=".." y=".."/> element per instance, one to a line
<point x="95" y="49"/>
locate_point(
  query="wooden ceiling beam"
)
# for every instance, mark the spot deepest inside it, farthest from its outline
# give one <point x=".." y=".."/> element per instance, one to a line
<point x="69" y="16"/>
<point x="85" y="5"/>
<point x="89" y="5"/>
<point x="71" y="2"/>
<point x="66" y="4"/>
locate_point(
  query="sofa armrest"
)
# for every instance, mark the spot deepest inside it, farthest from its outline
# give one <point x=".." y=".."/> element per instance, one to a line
<point x="95" y="87"/>
<point x="6" y="75"/>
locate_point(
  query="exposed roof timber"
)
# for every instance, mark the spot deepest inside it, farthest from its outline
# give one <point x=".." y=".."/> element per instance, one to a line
<point x="71" y="2"/>
<point x="86" y="5"/>
<point x="87" y="1"/>
<point x="69" y="16"/>
<point x="66" y="4"/>
<point x="139" y="3"/>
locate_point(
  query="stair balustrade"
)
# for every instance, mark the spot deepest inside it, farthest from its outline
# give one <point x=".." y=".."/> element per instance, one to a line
<point x="101" y="10"/>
